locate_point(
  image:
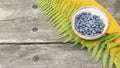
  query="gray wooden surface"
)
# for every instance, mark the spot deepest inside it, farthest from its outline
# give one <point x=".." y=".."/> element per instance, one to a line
<point x="28" y="41"/>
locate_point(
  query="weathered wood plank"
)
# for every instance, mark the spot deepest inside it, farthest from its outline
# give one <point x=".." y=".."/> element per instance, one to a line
<point x="27" y="30"/>
<point x="113" y="6"/>
<point x="45" y="56"/>
<point x="107" y="2"/>
<point x="20" y="23"/>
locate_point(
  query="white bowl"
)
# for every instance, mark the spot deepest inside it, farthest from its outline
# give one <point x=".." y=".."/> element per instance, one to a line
<point x="95" y="11"/>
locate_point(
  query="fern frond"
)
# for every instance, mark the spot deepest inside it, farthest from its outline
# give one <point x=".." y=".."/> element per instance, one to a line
<point x="105" y="58"/>
<point x="99" y="41"/>
<point x="63" y="29"/>
<point x="107" y="52"/>
<point x="72" y="36"/>
<point x="77" y="42"/>
<point x="66" y="33"/>
<point x="103" y="46"/>
<point x="91" y="45"/>
<point x="118" y="63"/>
<point x="84" y="44"/>
<point x="112" y="57"/>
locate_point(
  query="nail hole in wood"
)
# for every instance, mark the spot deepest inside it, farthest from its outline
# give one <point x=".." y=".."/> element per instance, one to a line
<point x="35" y="29"/>
<point x="36" y="58"/>
<point x="34" y="6"/>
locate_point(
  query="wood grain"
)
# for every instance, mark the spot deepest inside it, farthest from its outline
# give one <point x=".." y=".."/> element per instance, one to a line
<point x="45" y="56"/>
<point x="21" y="23"/>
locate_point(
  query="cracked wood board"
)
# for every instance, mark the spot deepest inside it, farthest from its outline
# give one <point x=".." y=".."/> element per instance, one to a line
<point x="45" y="56"/>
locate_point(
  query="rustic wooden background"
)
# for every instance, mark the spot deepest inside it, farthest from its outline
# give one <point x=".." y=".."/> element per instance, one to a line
<point x="28" y="41"/>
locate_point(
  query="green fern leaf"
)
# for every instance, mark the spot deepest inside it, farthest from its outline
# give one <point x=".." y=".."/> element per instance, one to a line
<point x="70" y="38"/>
<point x="61" y="24"/>
<point x="90" y="45"/>
<point x="118" y="63"/>
<point x="112" y="58"/>
<point x="106" y="55"/>
<point x="66" y="33"/>
<point x="76" y="42"/>
<point x="105" y="58"/>
<point x="111" y="61"/>
<point x="103" y="45"/>
<point x="55" y="20"/>
<point x="84" y="44"/>
<point x="99" y="41"/>
<point x="63" y="29"/>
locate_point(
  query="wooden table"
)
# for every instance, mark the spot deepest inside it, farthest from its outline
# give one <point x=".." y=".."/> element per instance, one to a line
<point x="28" y="41"/>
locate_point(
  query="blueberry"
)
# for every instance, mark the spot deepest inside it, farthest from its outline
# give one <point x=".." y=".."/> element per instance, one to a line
<point x="80" y="15"/>
<point x="94" y="16"/>
<point x="96" y="29"/>
<point x="77" y="29"/>
<point x="90" y="21"/>
<point x="97" y="18"/>
<point x="86" y="28"/>
<point x="88" y="25"/>
<point x="84" y="13"/>
<point x="101" y="26"/>
<point x="96" y="24"/>
<point x="94" y="34"/>
<point x="81" y="20"/>
<point x="78" y="21"/>
<point x="77" y="16"/>
<point x="88" y="13"/>
<point x="93" y="31"/>
<point x="101" y="20"/>
<point x="83" y="33"/>
<point x="91" y="18"/>
<point x="81" y="28"/>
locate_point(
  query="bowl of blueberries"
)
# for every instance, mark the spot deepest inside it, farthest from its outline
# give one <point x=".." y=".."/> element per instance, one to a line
<point x="89" y="23"/>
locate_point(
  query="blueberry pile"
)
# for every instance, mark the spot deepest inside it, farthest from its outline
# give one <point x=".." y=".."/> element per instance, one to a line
<point x="89" y="24"/>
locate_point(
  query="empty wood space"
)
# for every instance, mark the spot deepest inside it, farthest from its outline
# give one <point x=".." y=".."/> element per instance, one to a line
<point x="27" y="40"/>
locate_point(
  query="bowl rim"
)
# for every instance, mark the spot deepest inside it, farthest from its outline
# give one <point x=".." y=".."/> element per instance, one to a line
<point x="85" y="37"/>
